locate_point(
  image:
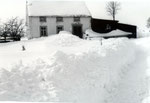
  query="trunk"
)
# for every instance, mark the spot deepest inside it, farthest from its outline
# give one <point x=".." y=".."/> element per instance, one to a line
<point x="113" y="17"/>
<point x="5" y="38"/>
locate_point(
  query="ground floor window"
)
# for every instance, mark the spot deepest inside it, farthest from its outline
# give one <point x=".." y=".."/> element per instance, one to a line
<point x="43" y="30"/>
<point x="59" y="28"/>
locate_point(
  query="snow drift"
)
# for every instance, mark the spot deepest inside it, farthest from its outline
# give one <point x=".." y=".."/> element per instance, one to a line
<point x="143" y="32"/>
<point x="86" y="73"/>
<point x="63" y="39"/>
<point x="116" y="32"/>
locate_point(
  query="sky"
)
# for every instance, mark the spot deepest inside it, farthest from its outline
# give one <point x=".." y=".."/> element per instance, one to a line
<point x="135" y="12"/>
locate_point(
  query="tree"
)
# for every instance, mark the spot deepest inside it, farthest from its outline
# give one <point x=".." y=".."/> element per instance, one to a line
<point x="1" y="29"/>
<point x="112" y="8"/>
<point x="13" y="28"/>
<point x="3" y="32"/>
<point x="148" y="22"/>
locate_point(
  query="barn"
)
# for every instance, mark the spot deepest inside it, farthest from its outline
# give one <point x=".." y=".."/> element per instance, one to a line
<point x="105" y="27"/>
<point x="50" y="17"/>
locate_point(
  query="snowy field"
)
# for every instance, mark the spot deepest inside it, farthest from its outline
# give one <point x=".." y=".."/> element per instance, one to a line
<point x="64" y="68"/>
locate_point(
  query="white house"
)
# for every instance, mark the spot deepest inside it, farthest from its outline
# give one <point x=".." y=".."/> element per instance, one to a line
<point x="49" y="17"/>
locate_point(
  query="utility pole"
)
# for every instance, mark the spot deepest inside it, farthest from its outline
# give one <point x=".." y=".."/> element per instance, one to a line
<point x="26" y="13"/>
<point x="27" y="21"/>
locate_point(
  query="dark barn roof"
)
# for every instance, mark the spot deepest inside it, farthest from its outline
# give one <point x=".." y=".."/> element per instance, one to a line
<point x="106" y="26"/>
<point x="103" y="26"/>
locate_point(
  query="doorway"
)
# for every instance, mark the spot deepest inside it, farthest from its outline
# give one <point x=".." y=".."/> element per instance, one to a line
<point x="77" y="30"/>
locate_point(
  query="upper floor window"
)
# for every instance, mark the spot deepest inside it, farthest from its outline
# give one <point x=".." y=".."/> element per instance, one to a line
<point x="42" y="19"/>
<point x="59" y="19"/>
<point x="76" y="19"/>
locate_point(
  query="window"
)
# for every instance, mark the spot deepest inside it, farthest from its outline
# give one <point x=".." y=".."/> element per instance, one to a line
<point x="60" y="28"/>
<point x="43" y="30"/>
<point x="59" y="19"/>
<point x="108" y="27"/>
<point x="42" y="19"/>
<point x="76" y="19"/>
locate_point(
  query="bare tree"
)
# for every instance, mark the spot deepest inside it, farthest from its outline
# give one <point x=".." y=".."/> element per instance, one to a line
<point x="148" y="22"/>
<point x="1" y="29"/>
<point x="13" y="28"/>
<point x="112" y="8"/>
<point x="4" y="31"/>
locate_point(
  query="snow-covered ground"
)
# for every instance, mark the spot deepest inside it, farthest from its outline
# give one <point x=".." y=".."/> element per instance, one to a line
<point x="65" y="68"/>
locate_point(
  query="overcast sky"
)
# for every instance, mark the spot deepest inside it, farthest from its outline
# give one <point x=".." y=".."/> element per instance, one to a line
<point x="132" y="11"/>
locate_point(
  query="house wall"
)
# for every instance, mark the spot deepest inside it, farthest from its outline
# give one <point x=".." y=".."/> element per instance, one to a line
<point x="34" y="25"/>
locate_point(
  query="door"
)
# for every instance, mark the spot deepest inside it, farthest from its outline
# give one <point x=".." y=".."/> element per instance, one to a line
<point x="77" y="30"/>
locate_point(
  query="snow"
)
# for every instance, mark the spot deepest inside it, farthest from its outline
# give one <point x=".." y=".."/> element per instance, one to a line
<point x="143" y="32"/>
<point x="65" y="68"/>
<point x="58" y="8"/>
<point x="143" y="43"/>
<point x="116" y="32"/>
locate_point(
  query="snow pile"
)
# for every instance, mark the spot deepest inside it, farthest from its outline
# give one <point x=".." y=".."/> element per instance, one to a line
<point x="82" y="77"/>
<point x="116" y="32"/>
<point x="63" y="39"/>
<point x="24" y="83"/>
<point x="143" y="33"/>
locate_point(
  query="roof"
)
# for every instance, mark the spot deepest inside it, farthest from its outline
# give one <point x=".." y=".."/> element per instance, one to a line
<point x="58" y="8"/>
<point x="105" y="20"/>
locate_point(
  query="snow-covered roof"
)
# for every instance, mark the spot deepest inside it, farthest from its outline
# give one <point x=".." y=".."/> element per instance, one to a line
<point x="58" y="8"/>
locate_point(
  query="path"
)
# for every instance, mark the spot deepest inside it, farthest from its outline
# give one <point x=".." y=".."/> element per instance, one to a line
<point x="134" y="86"/>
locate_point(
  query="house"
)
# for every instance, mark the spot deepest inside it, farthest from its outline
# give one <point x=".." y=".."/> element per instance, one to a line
<point x="105" y="27"/>
<point x="50" y="17"/>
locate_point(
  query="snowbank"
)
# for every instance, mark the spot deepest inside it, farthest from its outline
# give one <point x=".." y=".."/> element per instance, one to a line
<point x="116" y="32"/>
<point x="143" y="33"/>
<point x="88" y="75"/>
<point x="63" y="39"/>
